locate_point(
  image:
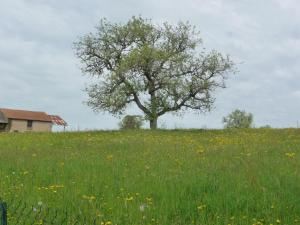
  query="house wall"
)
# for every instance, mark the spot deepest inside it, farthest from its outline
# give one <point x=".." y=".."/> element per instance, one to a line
<point x="37" y="126"/>
<point x="41" y="126"/>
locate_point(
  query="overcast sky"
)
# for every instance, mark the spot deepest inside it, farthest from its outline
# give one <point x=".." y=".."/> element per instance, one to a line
<point x="38" y="69"/>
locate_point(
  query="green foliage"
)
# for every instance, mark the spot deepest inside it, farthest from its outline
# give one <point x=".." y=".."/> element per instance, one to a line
<point x="131" y="122"/>
<point x="152" y="177"/>
<point x="266" y="127"/>
<point x="238" y="119"/>
<point x="160" y="69"/>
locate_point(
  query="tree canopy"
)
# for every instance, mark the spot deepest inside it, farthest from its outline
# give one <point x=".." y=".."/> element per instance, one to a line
<point x="159" y="68"/>
<point x="131" y="122"/>
<point x="238" y="119"/>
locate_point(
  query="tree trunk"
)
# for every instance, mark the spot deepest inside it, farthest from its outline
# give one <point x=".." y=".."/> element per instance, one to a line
<point x="153" y="117"/>
<point x="153" y="124"/>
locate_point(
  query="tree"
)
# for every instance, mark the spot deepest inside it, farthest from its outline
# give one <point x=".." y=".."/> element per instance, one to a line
<point x="238" y="119"/>
<point x="155" y="67"/>
<point x="131" y="122"/>
<point x="266" y="127"/>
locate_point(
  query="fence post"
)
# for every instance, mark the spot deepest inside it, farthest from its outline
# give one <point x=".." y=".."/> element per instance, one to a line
<point x="3" y="213"/>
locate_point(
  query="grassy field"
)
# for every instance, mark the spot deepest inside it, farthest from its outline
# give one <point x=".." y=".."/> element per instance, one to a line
<point x="143" y="177"/>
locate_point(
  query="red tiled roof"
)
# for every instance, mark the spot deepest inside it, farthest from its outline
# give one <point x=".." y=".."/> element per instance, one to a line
<point x="57" y="120"/>
<point x="25" y="115"/>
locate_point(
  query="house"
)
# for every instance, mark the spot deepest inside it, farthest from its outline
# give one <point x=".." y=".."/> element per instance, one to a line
<point x="12" y="120"/>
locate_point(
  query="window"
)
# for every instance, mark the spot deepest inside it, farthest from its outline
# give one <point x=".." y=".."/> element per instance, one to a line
<point x="29" y="124"/>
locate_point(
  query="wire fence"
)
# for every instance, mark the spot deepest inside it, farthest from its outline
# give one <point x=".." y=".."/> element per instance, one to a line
<point x="24" y="214"/>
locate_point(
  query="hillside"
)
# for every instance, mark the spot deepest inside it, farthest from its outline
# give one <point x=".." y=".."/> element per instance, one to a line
<point x="145" y="177"/>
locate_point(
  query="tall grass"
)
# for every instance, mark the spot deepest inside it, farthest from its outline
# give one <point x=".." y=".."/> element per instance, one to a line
<point x="162" y="177"/>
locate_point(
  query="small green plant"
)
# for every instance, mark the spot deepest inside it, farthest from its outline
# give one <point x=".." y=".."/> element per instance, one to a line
<point x="238" y="119"/>
<point x="131" y="122"/>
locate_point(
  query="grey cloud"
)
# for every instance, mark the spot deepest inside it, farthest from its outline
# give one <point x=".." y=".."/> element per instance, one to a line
<point x="38" y="69"/>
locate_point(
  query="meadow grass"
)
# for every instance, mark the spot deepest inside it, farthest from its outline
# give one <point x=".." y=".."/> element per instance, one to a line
<point x="154" y="177"/>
